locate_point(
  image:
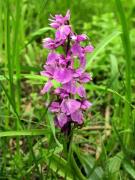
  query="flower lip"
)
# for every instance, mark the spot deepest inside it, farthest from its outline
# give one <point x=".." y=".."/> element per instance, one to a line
<point x="63" y="75"/>
<point x="69" y="106"/>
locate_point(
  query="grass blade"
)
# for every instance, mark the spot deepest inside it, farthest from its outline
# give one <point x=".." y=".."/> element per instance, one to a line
<point x="128" y="58"/>
<point x="101" y="46"/>
<point x="30" y="132"/>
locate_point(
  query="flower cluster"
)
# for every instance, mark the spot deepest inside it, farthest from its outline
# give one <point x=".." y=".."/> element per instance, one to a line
<point x="70" y="101"/>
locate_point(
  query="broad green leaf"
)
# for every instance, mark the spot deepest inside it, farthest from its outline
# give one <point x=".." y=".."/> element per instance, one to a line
<point x="129" y="169"/>
<point x="92" y="170"/>
<point x="114" y="165"/>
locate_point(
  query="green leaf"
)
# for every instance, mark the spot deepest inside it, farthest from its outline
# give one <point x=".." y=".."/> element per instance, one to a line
<point x="75" y="168"/>
<point x="30" y="132"/>
<point x="59" y="165"/>
<point x="102" y="88"/>
<point x="129" y="169"/>
<point x="52" y="126"/>
<point x="114" y="165"/>
<point x="101" y="47"/>
<point x="92" y="170"/>
<point x="38" y="33"/>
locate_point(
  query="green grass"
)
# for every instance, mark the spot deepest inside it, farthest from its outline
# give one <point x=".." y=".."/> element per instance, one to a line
<point x="30" y="145"/>
<point x="128" y="58"/>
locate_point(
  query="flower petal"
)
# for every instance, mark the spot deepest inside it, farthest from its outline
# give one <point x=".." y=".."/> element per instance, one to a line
<point x="54" y="107"/>
<point x="70" y="87"/>
<point x="77" y="117"/>
<point x="84" y="78"/>
<point x="48" y="43"/>
<point x="62" y="32"/>
<point x="46" y="87"/>
<point x="69" y="106"/>
<point x="81" y="91"/>
<point x="52" y="58"/>
<point x="62" y="119"/>
<point x="89" y="49"/>
<point x="85" y="104"/>
<point x="63" y="75"/>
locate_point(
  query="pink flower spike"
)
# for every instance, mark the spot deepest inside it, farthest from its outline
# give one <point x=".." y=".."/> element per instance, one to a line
<point x="65" y="66"/>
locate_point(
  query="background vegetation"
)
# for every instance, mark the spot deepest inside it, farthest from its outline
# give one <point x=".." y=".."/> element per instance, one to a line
<point x="30" y="146"/>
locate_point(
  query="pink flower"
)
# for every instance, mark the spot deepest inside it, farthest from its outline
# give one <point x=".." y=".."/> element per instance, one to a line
<point x="70" y="97"/>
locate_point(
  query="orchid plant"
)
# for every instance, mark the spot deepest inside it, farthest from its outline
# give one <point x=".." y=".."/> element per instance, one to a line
<point x="70" y="100"/>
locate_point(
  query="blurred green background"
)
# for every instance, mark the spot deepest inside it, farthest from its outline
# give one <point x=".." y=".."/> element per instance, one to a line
<point x="30" y="146"/>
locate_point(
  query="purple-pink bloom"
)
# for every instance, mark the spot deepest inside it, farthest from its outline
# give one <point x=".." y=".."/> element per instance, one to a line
<point x="70" y="87"/>
<point x="49" y="71"/>
<point x="70" y="98"/>
<point x="77" y="50"/>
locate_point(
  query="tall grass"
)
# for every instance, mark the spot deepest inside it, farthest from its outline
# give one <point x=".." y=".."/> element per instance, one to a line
<point x="16" y="51"/>
<point x="128" y="60"/>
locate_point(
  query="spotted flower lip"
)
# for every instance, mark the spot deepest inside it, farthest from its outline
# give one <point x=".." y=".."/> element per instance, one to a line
<point x="69" y="106"/>
<point x="48" y="43"/>
<point x="70" y="97"/>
